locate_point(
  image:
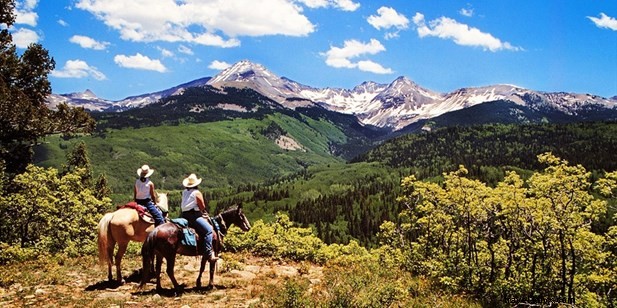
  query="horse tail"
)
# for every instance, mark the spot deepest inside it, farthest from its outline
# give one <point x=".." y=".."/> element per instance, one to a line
<point x="147" y="255"/>
<point x="147" y="249"/>
<point x="103" y="238"/>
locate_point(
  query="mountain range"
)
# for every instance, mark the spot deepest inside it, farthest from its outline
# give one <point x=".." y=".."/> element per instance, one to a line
<point x="393" y="106"/>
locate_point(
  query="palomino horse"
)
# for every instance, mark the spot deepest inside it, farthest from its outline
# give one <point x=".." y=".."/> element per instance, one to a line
<point x="121" y="227"/>
<point x="164" y="242"/>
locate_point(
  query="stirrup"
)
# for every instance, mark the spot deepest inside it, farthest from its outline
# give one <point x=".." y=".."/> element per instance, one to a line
<point x="212" y="257"/>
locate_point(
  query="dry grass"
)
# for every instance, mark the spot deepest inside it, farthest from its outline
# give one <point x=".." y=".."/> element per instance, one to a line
<point x="242" y="280"/>
<point x="81" y="282"/>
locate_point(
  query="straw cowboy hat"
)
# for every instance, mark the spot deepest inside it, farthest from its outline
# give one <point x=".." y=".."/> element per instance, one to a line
<point x="191" y="181"/>
<point x="145" y="171"/>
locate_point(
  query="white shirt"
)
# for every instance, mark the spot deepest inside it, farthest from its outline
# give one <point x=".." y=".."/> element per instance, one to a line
<point x="143" y="189"/>
<point x="189" y="200"/>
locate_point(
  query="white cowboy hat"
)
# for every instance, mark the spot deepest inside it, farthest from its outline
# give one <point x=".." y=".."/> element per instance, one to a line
<point x="191" y="181"/>
<point x="145" y="171"/>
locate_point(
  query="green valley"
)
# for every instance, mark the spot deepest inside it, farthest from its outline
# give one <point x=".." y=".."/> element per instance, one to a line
<point x="225" y="153"/>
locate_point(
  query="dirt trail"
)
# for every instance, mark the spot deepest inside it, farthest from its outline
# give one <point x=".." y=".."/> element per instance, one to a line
<point x="239" y="282"/>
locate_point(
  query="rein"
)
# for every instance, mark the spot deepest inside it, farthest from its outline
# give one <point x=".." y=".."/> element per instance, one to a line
<point x="221" y="221"/>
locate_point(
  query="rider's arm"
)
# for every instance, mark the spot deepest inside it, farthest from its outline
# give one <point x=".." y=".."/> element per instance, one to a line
<point x="199" y="198"/>
<point x="134" y="193"/>
<point x="152" y="194"/>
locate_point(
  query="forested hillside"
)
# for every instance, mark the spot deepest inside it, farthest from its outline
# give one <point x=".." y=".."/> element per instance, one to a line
<point x="225" y="153"/>
<point x="349" y="201"/>
<point x="486" y="150"/>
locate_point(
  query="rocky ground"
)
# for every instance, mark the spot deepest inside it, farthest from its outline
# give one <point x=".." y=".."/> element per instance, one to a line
<point x="239" y="282"/>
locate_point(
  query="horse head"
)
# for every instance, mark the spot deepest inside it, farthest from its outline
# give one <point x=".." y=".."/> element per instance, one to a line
<point x="162" y="202"/>
<point x="235" y="216"/>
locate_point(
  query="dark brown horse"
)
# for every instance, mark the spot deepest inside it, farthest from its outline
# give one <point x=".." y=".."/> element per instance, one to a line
<point x="164" y="242"/>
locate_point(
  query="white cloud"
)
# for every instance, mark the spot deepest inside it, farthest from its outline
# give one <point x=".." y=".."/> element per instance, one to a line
<point x="604" y="22"/>
<point x="461" y="34"/>
<point x="370" y="66"/>
<point x="206" y="22"/>
<point x="62" y="23"/>
<point x="340" y="57"/>
<point x="345" y="5"/>
<point x="165" y="53"/>
<point x="23" y="37"/>
<point x="26" y="18"/>
<point x="24" y="12"/>
<point x="28" y="4"/>
<point x="467" y="12"/>
<point x="185" y="50"/>
<point x="88" y="42"/>
<point x="141" y="62"/>
<point x="218" y="65"/>
<point x="388" y="18"/>
<point x="78" y="69"/>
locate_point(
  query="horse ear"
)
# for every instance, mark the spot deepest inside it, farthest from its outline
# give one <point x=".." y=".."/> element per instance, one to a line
<point x="240" y="207"/>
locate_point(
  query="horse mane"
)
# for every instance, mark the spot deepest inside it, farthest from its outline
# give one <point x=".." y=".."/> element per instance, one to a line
<point x="230" y="209"/>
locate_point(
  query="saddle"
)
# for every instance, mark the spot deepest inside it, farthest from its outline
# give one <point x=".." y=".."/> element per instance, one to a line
<point x="142" y="212"/>
<point x="189" y="234"/>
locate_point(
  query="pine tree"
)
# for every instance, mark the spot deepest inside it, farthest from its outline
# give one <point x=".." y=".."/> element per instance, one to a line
<point x="24" y="117"/>
<point x="101" y="188"/>
<point x="78" y="158"/>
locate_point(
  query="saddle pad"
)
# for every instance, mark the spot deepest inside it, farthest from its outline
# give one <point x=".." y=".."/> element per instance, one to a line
<point x="181" y="222"/>
<point x="188" y="235"/>
<point x="188" y="238"/>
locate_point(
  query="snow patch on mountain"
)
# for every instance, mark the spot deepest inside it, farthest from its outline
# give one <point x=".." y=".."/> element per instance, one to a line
<point x="393" y="105"/>
<point x="255" y="76"/>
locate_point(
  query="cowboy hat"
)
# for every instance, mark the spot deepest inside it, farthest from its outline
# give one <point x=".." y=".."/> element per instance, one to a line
<point x="191" y="181"/>
<point x="145" y="171"/>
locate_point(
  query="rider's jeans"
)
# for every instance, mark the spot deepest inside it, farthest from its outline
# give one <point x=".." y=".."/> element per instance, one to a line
<point x="156" y="214"/>
<point x="203" y="228"/>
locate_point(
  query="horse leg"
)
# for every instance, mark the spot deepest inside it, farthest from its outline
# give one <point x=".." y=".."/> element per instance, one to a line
<point x="110" y="258"/>
<point x="202" y="267"/>
<point x="212" y="268"/>
<point x="171" y="260"/>
<point x="159" y="264"/>
<point x="147" y="269"/>
<point x="121" y="250"/>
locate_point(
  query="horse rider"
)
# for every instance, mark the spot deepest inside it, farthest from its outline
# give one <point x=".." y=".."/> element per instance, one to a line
<point x="193" y="205"/>
<point x="143" y="193"/>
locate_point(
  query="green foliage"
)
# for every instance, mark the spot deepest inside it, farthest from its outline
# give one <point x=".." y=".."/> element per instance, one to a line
<point x="281" y="239"/>
<point x="78" y="158"/>
<point x="101" y="188"/>
<point x="49" y="213"/>
<point x="24" y="86"/>
<point x="360" y="284"/>
<point x="293" y="293"/>
<point x="225" y="153"/>
<point x="45" y="212"/>
<point x="340" y="202"/>
<point x="517" y="242"/>
<point x="490" y="150"/>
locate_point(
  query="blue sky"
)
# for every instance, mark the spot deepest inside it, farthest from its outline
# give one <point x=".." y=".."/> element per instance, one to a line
<point x="119" y="48"/>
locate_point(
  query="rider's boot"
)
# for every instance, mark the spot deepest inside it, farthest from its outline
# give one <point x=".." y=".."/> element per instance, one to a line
<point x="211" y="256"/>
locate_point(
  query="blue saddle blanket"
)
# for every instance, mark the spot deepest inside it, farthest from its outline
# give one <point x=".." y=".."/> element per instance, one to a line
<point x="188" y="235"/>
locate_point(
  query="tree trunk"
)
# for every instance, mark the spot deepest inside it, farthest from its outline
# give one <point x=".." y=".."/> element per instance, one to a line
<point x="563" y="265"/>
<point x="571" y="295"/>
